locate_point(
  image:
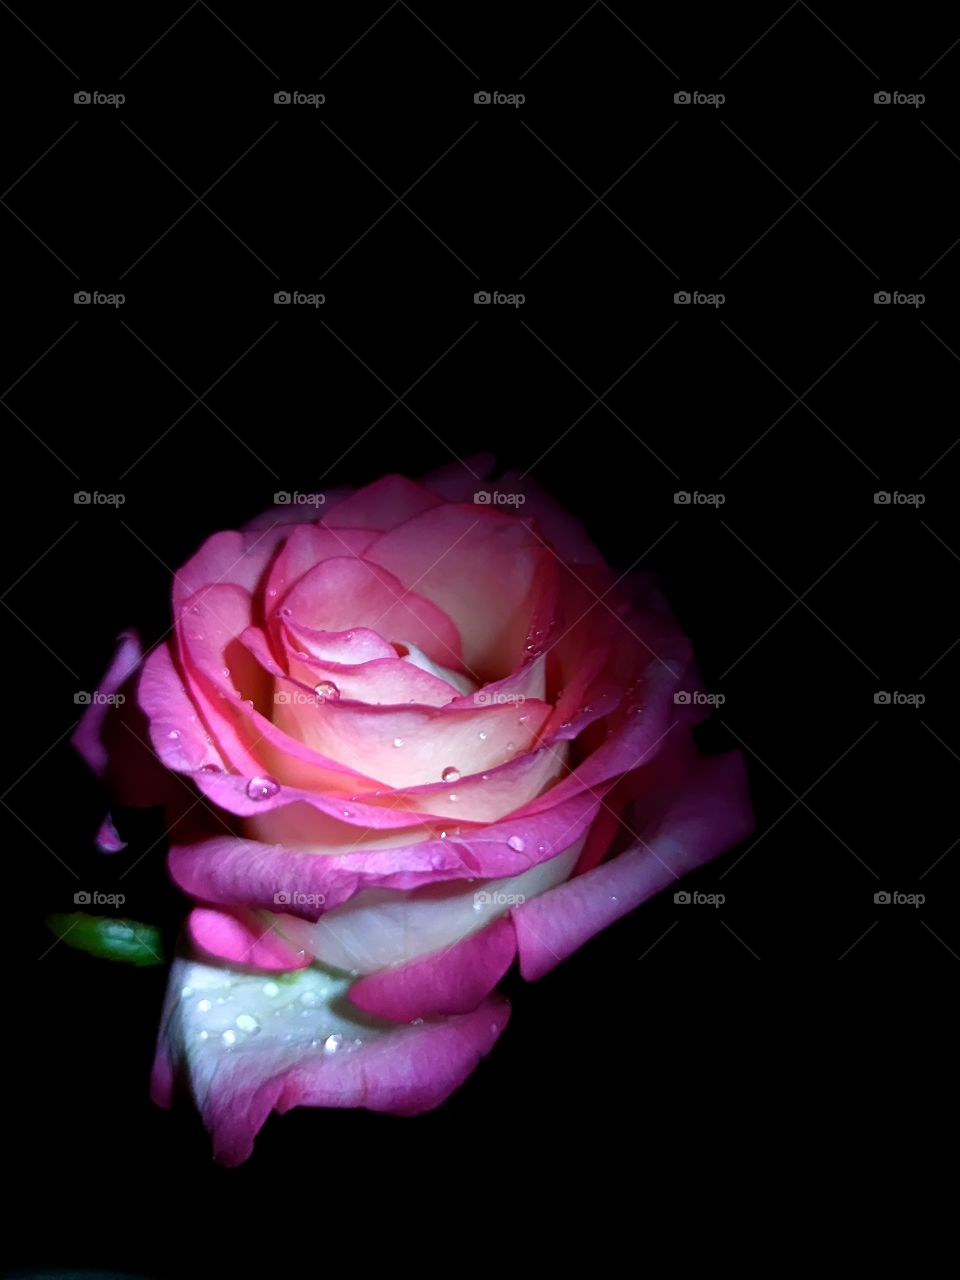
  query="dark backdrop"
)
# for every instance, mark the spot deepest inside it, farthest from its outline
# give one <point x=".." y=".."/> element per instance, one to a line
<point x="797" y="398"/>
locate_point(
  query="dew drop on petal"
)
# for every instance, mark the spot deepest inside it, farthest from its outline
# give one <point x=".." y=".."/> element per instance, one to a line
<point x="210" y="768"/>
<point x="398" y="742"/>
<point x="327" y="691"/>
<point x="333" y="1043"/>
<point x="247" y="1023"/>
<point x="174" y="734"/>
<point x="271" y="989"/>
<point x="187" y="991"/>
<point x="229" y="1037"/>
<point x="482" y="736"/>
<point x="452" y="796"/>
<point x="204" y="1006"/>
<point x="450" y="774"/>
<point x="204" y="1035"/>
<point x="524" y="719"/>
<point x="262" y="787"/>
<point x="309" y="998"/>
<point x="516" y="843"/>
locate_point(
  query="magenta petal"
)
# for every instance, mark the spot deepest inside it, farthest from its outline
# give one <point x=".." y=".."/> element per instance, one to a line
<point x="244" y="939"/>
<point x="451" y="981"/>
<point x="709" y="813"/>
<point x="88" y="737"/>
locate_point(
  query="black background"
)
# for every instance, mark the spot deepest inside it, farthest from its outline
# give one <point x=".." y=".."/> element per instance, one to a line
<point x="598" y="198"/>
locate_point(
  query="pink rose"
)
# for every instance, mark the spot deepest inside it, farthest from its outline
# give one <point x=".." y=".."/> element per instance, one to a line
<point x="431" y="734"/>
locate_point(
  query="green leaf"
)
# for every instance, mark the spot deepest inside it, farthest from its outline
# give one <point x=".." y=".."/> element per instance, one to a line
<point x="109" y="938"/>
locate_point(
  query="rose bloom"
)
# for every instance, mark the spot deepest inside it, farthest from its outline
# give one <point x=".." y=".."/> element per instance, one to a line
<point x="418" y="738"/>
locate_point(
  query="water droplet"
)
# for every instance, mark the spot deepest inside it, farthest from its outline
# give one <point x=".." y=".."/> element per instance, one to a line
<point x="174" y="734"/>
<point x="204" y="1035"/>
<point x="416" y="1022"/>
<point x="285" y="612"/>
<point x="195" y="609"/>
<point x="347" y="813"/>
<point x="567" y="724"/>
<point x="484" y="777"/>
<point x="262" y="788"/>
<point x="452" y="796"/>
<point x="482" y="736"/>
<point x="229" y="1038"/>
<point x="271" y="989"/>
<point x="614" y="899"/>
<point x="450" y="774"/>
<point x="309" y="998"/>
<point x="511" y="746"/>
<point x="187" y="991"/>
<point x="247" y="1023"/>
<point x="333" y="1043"/>
<point x="210" y="768"/>
<point x="398" y="742"/>
<point x="272" y="592"/>
<point x="523" y="719"/>
<point x="327" y="691"/>
<point x="204" y="1006"/>
<point x="226" y="670"/>
<point x="516" y="843"/>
